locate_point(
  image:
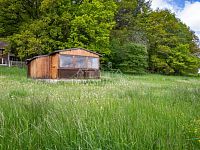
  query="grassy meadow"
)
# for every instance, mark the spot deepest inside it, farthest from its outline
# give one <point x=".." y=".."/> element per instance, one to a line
<point x="120" y="112"/>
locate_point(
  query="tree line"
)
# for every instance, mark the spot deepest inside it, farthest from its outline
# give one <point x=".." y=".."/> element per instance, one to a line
<point x="127" y="33"/>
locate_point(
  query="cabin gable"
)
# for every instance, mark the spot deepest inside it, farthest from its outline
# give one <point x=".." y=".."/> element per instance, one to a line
<point x="80" y="52"/>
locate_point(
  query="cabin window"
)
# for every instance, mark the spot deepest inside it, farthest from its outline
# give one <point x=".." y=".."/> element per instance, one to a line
<point x="93" y="63"/>
<point x="66" y="61"/>
<point x="80" y="62"/>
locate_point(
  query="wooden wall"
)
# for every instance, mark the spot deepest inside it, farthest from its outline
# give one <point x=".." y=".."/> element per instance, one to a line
<point x="54" y="63"/>
<point x="39" y="68"/>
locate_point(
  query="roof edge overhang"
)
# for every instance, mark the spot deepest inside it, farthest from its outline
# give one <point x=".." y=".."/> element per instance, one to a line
<point x="58" y="51"/>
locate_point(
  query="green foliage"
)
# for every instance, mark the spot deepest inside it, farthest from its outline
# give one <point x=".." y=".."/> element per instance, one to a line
<point x="128" y="10"/>
<point x="130" y="58"/>
<point x="178" y="60"/>
<point x="92" y="24"/>
<point x="37" y="37"/>
<point x="53" y="25"/>
<point x="171" y="44"/>
<point x="183" y="62"/>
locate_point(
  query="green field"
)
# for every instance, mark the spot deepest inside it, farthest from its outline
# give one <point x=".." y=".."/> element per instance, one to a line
<point x="119" y="112"/>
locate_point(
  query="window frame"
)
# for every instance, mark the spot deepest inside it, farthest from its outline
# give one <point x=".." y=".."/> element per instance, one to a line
<point x="59" y="61"/>
<point x="74" y="57"/>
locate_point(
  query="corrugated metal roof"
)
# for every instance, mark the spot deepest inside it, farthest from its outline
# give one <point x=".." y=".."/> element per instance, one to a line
<point x="58" y="51"/>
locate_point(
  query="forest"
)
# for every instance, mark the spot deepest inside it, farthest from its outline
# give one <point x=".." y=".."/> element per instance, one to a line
<point x="128" y="33"/>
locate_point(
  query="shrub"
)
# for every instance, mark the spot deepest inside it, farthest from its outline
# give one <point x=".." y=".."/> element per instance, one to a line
<point x="130" y="58"/>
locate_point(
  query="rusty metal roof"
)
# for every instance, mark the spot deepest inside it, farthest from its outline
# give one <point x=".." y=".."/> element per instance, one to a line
<point x="58" y="51"/>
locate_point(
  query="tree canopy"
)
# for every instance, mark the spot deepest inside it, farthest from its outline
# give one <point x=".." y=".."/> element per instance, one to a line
<point x="110" y="27"/>
<point x="59" y="24"/>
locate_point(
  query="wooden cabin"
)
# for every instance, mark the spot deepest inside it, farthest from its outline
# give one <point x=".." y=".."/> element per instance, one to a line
<point x="75" y="63"/>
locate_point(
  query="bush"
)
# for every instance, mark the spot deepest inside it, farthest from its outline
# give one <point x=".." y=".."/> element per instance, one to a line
<point x="175" y="61"/>
<point x="130" y="58"/>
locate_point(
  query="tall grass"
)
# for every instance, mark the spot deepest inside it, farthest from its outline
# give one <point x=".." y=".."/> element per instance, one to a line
<point x="118" y="112"/>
